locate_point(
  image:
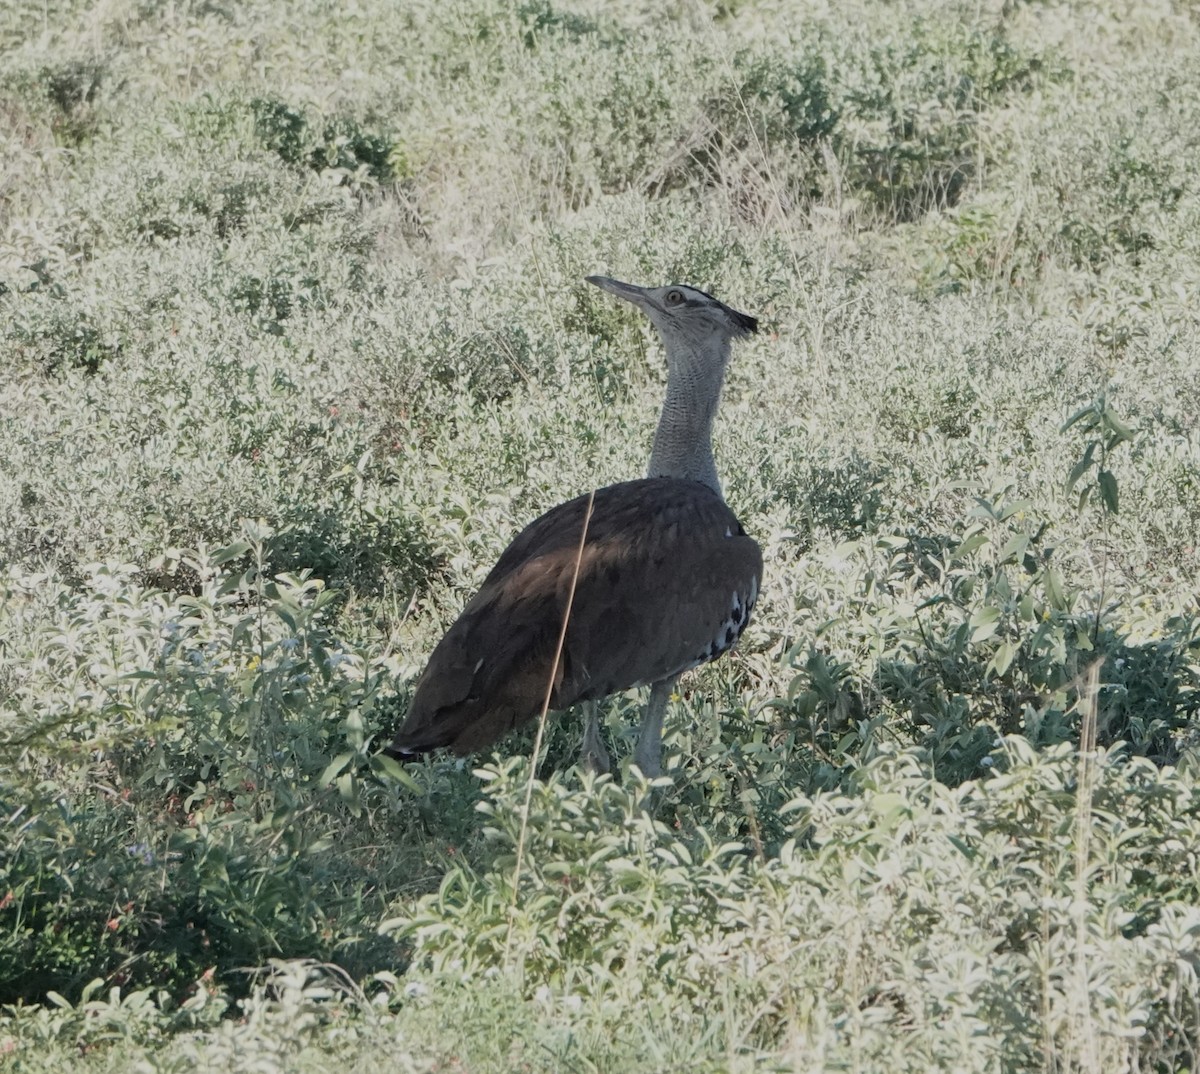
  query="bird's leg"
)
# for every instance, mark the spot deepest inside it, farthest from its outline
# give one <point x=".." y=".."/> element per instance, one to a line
<point x="594" y="756"/>
<point x="648" y="752"/>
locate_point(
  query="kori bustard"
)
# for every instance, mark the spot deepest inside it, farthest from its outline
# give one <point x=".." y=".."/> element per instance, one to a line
<point x="666" y="578"/>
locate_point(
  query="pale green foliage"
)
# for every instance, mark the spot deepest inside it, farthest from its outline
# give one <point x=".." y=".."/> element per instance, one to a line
<point x="293" y="339"/>
<point x="952" y="912"/>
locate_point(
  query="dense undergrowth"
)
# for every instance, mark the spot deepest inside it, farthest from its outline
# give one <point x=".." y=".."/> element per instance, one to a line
<point x="293" y="338"/>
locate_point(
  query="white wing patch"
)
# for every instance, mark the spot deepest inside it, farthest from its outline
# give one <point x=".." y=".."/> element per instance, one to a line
<point x="730" y="628"/>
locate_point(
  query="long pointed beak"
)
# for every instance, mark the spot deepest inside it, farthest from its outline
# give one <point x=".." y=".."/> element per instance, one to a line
<point x="628" y="291"/>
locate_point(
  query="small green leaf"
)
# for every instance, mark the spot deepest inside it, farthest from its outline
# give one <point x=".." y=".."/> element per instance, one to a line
<point x="335" y="767"/>
<point x="1122" y="433"/>
<point x="383" y="765"/>
<point x="1054" y="591"/>
<point x="1078" y="470"/>
<point x="1108" y="491"/>
<point x="1002" y="658"/>
<point x="1014" y="508"/>
<point x="970" y="544"/>
<point x="231" y="551"/>
<point x="932" y="602"/>
<point x="1015" y="548"/>
<point x="1088" y="412"/>
<point x="963" y="848"/>
<point x="984" y="623"/>
<point x="345" y="784"/>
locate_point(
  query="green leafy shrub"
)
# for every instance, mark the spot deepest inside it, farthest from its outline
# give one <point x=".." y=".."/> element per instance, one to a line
<point x="910" y="139"/>
<point x="65" y="91"/>
<point x="280" y="128"/>
<point x="100" y="895"/>
<point x="872" y="888"/>
<point x="199" y="856"/>
<point x="57" y="338"/>
<point x="342" y="143"/>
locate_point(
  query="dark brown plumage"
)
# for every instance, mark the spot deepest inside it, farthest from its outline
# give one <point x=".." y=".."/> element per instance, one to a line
<point x="667" y="580"/>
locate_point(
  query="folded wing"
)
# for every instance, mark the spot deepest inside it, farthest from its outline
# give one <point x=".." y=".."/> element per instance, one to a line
<point x="667" y="580"/>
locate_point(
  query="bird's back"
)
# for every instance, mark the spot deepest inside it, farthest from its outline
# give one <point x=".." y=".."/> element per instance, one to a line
<point x="667" y="579"/>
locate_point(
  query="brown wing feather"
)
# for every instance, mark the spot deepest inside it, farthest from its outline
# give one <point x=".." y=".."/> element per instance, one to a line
<point x="666" y="580"/>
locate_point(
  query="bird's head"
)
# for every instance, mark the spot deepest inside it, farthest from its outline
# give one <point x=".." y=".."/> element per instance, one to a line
<point x="682" y="314"/>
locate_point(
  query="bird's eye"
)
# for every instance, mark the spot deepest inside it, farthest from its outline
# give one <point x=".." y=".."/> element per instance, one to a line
<point x="674" y="298"/>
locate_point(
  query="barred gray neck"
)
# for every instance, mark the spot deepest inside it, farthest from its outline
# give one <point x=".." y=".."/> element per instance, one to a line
<point x="683" y="441"/>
